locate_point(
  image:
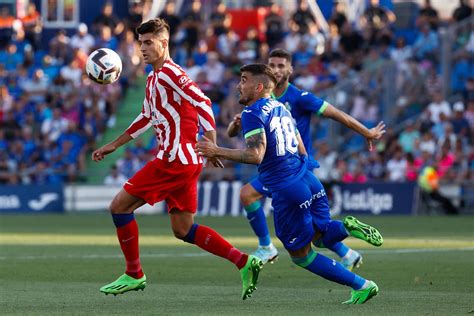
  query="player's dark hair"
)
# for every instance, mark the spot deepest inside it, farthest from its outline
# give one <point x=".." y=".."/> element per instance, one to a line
<point x="155" y="26"/>
<point x="281" y="53"/>
<point x="261" y="70"/>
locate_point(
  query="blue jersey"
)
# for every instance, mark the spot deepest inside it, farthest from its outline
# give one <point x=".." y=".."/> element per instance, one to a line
<point x="281" y="164"/>
<point x="302" y="105"/>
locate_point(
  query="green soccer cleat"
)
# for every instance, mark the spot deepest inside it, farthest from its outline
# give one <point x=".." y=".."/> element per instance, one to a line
<point x="124" y="284"/>
<point x="363" y="231"/>
<point x="362" y="296"/>
<point x="249" y="274"/>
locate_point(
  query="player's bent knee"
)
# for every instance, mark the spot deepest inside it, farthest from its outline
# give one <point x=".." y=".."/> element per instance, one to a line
<point x="180" y="233"/>
<point x="248" y="195"/>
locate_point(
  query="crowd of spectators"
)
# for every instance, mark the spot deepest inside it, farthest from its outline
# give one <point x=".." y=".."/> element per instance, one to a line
<point x="51" y="114"/>
<point x="349" y="64"/>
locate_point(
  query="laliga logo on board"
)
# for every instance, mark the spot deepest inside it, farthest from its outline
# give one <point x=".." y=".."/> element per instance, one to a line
<point x="361" y="201"/>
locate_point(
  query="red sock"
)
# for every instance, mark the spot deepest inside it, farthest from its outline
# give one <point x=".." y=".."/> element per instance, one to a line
<point x="128" y="238"/>
<point x="209" y="240"/>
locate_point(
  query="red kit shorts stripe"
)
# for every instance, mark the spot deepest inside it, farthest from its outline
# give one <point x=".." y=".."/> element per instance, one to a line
<point x="173" y="182"/>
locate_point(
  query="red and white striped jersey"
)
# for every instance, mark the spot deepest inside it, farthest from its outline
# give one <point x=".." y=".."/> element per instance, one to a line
<point x="175" y="107"/>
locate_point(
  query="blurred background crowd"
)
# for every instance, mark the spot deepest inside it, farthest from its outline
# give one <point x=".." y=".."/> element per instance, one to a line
<point x="414" y="71"/>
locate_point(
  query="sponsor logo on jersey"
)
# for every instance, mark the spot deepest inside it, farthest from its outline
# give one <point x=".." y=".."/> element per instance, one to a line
<point x="307" y="203"/>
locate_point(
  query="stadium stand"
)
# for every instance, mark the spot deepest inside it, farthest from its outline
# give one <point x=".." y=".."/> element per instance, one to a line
<point x="414" y="71"/>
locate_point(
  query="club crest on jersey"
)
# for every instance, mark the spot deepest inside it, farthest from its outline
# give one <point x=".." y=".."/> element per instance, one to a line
<point x="183" y="80"/>
<point x="288" y="106"/>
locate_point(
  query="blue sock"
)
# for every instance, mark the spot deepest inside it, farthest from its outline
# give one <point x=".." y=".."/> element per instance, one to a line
<point x="257" y="220"/>
<point x="329" y="269"/>
<point x="335" y="232"/>
<point x="339" y="248"/>
<point x="191" y="234"/>
<point x="122" y="219"/>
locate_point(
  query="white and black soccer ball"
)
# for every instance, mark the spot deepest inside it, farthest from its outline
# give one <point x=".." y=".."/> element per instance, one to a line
<point x="104" y="66"/>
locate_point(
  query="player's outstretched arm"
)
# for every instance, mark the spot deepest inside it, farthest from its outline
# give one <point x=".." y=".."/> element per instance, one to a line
<point x="234" y="126"/>
<point x="253" y="154"/>
<point x="103" y="151"/>
<point x="344" y="118"/>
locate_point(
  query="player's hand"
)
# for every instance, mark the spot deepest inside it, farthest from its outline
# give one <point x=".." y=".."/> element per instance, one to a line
<point x="237" y="120"/>
<point x="376" y="133"/>
<point x="205" y="147"/>
<point x="216" y="162"/>
<point x="100" y="153"/>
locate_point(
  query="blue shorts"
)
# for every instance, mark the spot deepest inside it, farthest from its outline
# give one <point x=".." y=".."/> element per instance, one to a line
<point x="299" y="210"/>
<point x="260" y="188"/>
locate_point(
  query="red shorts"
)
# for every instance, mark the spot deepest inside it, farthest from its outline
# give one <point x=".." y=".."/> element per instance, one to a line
<point x="170" y="181"/>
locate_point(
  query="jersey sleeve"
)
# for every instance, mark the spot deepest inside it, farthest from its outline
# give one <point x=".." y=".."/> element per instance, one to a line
<point x="177" y="80"/>
<point x="251" y="124"/>
<point x="142" y="121"/>
<point x="312" y="103"/>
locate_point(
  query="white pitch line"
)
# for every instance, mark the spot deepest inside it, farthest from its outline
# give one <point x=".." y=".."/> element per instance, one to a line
<point x="203" y="254"/>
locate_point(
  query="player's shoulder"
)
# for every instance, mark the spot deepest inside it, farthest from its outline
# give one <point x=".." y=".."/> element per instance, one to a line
<point x="297" y="92"/>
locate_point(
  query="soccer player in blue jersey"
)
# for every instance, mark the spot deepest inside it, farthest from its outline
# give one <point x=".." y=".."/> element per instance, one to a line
<point x="301" y="209"/>
<point x="302" y="105"/>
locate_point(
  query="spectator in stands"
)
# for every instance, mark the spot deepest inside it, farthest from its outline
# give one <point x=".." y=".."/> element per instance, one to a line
<point x="463" y="11"/>
<point x="115" y="178"/>
<point x="396" y="166"/>
<point x="401" y="52"/>
<point x="214" y="68"/>
<point x="6" y="101"/>
<point x="374" y="167"/>
<point x="32" y="25"/>
<point x="303" y="18"/>
<point x="129" y="164"/>
<point x="53" y="128"/>
<point x="459" y="122"/>
<point x="82" y="39"/>
<point x="220" y="19"/>
<point x="6" y="26"/>
<point x="426" y="44"/>
<point x="59" y="46"/>
<point x="438" y="105"/>
<point x="36" y="87"/>
<point x="427" y="143"/>
<point x="11" y="57"/>
<point x="108" y="19"/>
<point x="72" y="72"/>
<point x="173" y="20"/>
<point x="192" y="22"/>
<point x="107" y="39"/>
<point x="292" y="39"/>
<point x="227" y="44"/>
<point x="135" y="17"/>
<point x="376" y="18"/>
<point x="338" y="16"/>
<point x="409" y="137"/>
<point x="428" y="14"/>
<point x="274" y="25"/>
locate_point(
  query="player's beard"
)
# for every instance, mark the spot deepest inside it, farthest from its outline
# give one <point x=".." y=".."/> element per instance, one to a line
<point x="284" y="79"/>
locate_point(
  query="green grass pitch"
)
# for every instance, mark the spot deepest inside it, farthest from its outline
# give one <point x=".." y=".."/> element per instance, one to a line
<point x="55" y="264"/>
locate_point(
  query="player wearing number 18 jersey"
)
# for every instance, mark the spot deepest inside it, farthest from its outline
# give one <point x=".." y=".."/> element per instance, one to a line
<point x="299" y="201"/>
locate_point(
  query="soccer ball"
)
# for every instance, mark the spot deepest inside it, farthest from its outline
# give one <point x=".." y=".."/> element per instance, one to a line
<point x="104" y="66"/>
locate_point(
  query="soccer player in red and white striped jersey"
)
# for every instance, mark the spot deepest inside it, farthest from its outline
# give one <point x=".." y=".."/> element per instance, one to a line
<point x="175" y="107"/>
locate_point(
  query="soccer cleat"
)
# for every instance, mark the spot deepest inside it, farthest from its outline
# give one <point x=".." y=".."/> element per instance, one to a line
<point x="266" y="253"/>
<point x="124" y="284"/>
<point x="362" y="296"/>
<point x="354" y="260"/>
<point x="249" y="274"/>
<point x="363" y="231"/>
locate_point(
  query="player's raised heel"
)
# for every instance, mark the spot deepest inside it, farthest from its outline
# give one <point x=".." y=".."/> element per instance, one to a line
<point x="363" y="231"/>
<point x="249" y="274"/>
<point x="124" y="284"/>
<point x="352" y="261"/>
<point x="268" y="254"/>
<point x="362" y="296"/>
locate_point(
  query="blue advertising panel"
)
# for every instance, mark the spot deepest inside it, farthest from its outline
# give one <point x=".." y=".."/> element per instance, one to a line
<point x="374" y="198"/>
<point x="31" y="198"/>
<point x="222" y="198"/>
